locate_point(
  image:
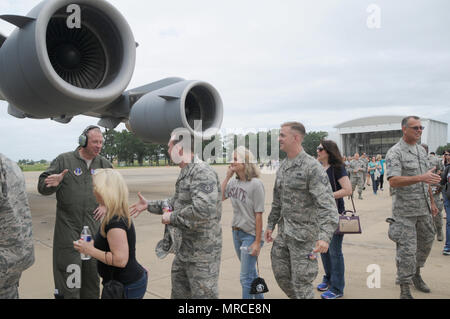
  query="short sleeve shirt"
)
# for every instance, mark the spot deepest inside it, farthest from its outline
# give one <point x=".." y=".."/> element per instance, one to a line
<point x="338" y="174"/>
<point x="247" y="198"/>
<point x="404" y="159"/>
<point x="133" y="271"/>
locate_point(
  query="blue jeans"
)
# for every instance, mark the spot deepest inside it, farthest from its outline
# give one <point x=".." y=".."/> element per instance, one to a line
<point x="374" y="183"/>
<point x="333" y="264"/>
<point x="248" y="263"/>
<point x="447" y="223"/>
<point x="136" y="290"/>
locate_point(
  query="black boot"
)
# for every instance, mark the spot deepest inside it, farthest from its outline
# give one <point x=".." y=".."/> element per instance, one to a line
<point x="405" y="292"/>
<point x="419" y="283"/>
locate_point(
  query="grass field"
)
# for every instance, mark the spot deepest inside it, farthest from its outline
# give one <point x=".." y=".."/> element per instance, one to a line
<point x="43" y="167"/>
<point x="34" y="167"/>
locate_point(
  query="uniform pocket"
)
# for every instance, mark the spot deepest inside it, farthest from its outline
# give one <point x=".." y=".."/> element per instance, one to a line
<point x="395" y="231"/>
<point x="410" y="166"/>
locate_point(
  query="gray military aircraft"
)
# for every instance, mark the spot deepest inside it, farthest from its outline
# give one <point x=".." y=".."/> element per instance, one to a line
<point x="72" y="57"/>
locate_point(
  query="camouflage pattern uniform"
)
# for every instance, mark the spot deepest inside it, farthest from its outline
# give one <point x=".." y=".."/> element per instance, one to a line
<point x="305" y="210"/>
<point x="16" y="240"/>
<point x="358" y="177"/>
<point x="411" y="226"/>
<point x="197" y="210"/>
<point x="437" y="191"/>
<point x="75" y="204"/>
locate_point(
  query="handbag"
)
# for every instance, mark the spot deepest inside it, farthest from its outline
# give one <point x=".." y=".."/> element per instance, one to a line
<point x="113" y="289"/>
<point x="258" y="285"/>
<point x="347" y="224"/>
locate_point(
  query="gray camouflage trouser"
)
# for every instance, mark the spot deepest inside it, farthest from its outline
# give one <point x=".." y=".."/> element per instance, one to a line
<point x="414" y="238"/>
<point x="10" y="292"/>
<point x="438" y="223"/>
<point x="292" y="268"/>
<point x="195" y="280"/>
<point x="357" y="180"/>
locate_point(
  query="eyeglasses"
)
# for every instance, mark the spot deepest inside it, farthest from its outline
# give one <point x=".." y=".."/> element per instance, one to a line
<point x="416" y="128"/>
<point x="320" y="149"/>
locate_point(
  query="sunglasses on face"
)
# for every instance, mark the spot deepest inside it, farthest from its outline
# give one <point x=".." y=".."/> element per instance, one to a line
<point x="320" y="149"/>
<point x="417" y="128"/>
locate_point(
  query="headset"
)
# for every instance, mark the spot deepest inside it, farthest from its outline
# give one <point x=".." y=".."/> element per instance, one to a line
<point x="83" y="139"/>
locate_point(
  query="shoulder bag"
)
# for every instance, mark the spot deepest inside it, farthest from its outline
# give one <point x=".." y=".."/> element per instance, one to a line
<point x="113" y="289"/>
<point x="347" y="224"/>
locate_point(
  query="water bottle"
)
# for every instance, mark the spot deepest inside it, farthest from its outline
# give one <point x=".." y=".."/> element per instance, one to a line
<point x="86" y="236"/>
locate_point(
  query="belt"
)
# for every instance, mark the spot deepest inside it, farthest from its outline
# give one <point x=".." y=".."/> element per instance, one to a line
<point x="236" y="228"/>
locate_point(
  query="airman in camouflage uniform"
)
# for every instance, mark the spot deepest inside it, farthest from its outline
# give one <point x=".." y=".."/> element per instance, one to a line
<point x="305" y="211"/>
<point x="16" y="240"/>
<point x="357" y="174"/>
<point x="411" y="226"/>
<point x="197" y="211"/>
<point x="366" y="160"/>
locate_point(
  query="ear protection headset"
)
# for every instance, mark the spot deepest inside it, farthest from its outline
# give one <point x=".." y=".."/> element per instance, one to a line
<point x="83" y="139"/>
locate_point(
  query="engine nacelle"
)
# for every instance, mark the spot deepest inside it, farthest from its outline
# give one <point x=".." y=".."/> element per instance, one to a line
<point x="156" y="114"/>
<point x="48" y="69"/>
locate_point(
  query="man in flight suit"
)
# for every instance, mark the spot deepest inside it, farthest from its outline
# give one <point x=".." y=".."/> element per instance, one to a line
<point x="69" y="175"/>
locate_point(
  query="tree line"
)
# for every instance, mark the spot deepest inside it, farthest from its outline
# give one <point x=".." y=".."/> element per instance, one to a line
<point x="126" y="149"/>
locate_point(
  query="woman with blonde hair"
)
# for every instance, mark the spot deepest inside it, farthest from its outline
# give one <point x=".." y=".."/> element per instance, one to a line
<point x="246" y="192"/>
<point x="114" y="245"/>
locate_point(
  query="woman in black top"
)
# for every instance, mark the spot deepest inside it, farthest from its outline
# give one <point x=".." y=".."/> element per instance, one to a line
<point x="333" y="260"/>
<point x="114" y="245"/>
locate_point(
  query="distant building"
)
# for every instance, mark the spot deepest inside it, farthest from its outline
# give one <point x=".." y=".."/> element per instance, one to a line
<point x="376" y="134"/>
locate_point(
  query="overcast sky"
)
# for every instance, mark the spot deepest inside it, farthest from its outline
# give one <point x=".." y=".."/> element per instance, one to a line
<point x="318" y="62"/>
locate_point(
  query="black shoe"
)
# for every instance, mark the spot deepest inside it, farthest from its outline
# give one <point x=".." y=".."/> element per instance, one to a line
<point x="420" y="284"/>
<point x="405" y="292"/>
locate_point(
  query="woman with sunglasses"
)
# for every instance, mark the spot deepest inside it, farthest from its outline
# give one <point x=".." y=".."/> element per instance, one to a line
<point x="333" y="281"/>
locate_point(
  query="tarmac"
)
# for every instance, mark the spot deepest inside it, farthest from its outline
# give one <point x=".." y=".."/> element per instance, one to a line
<point x="370" y="270"/>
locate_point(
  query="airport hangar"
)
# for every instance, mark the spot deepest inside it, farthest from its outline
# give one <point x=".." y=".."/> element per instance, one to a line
<point x="377" y="134"/>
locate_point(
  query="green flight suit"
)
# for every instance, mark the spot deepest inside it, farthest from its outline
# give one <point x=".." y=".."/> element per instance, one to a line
<point x="75" y="205"/>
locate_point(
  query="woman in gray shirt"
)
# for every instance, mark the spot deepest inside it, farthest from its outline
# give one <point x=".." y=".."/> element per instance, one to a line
<point x="246" y="192"/>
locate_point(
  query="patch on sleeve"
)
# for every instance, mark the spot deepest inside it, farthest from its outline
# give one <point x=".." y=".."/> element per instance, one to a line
<point x="206" y="188"/>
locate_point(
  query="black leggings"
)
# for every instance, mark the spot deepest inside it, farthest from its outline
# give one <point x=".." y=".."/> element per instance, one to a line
<point x="381" y="180"/>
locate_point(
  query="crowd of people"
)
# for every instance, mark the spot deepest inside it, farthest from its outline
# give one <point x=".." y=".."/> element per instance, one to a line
<point x="362" y="171"/>
<point x="308" y="197"/>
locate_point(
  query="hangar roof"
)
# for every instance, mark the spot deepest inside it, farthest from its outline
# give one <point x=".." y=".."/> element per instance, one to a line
<point x="375" y="120"/>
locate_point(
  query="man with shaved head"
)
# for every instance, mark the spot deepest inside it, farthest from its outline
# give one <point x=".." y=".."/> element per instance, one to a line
<point x="305" y="211"/>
